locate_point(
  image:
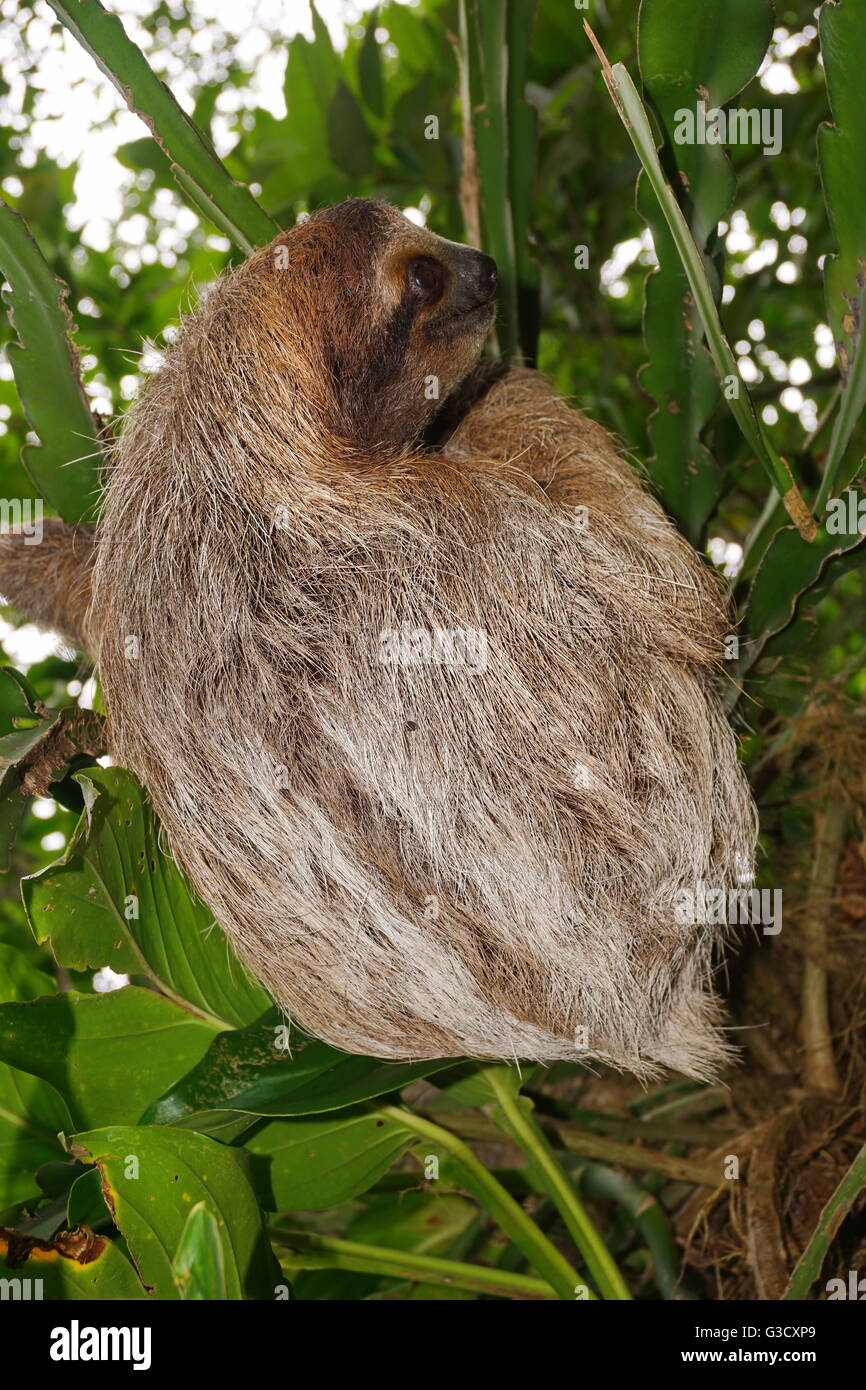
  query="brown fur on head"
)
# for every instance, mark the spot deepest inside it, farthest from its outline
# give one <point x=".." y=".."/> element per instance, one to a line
<point x="423" y="845"/>
<point x="370" y="320"/>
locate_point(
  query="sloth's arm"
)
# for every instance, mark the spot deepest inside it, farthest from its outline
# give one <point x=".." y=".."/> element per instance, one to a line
<point x="48" y="580"/>
<point x="520" y="420"/>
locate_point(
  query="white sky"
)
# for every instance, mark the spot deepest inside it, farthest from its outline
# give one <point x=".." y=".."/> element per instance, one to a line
<point x="73" y="98"/>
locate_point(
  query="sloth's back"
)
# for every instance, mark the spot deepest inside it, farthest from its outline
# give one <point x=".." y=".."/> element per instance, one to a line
<point x="439" y="767"/>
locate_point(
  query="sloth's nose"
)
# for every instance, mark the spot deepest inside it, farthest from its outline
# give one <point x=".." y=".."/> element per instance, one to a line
<point x="475" y="278"/>
<point x="487" y="276"/>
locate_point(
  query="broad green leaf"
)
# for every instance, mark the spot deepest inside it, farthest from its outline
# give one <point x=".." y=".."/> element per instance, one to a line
<point x="115" y="899"/>
<point x="63" y="465"/>
<point x="199" y="1264"/>
<point x="20" y="979"/>
<point x="107" y="1055"/>
<point x="13" y="804"/>
<point x="313" y="74"/>
<point x="370" y="77"/>
<point x="247" y="1070"/>
<point x="153" y="1178"/>
<point x="31" y="1112"/>
<point x="85" y="1205"/>
<point x="73" y="1267"/>
<point x="843" y="175"/>
<point x="689" y="52"/>
<point x="349" y="139"/>
<point x="202" y="176"/>
<point x="422" y="1222"/>
<point x="310" y="1164"/>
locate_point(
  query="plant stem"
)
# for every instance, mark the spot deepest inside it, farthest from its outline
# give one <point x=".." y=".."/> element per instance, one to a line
<point x="808" y="1267"/>
<point x="540" y="1251"/>
<point x="578" y="1141"/>
<point x="649" y="1217"/>
<point x="622" y="1127"/>
<point x="526" y="1133"/>
<point x="821" y="1074"/>
<point x="308" y="1251"/>
<point x="633" y="116"/>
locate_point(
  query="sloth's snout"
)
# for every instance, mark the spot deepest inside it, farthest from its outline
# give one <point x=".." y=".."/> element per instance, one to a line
<point x="476" y="277"/>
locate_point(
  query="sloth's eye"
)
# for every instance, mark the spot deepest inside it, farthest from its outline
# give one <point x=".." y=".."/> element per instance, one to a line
<point x="426" y="278"/>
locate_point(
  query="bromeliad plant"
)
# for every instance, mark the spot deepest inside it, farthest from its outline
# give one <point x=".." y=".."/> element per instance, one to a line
<point x="174" y="1139"/>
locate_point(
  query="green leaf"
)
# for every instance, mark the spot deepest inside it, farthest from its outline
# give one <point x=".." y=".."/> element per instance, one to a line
<point x="349" y="139"/>
<point x="312" y="1164"/>
<point x="843" y="174"/>
<point x="469" y="1083"/>
<point x="102" y="1272"/>
<point x="788" y="570"/>
<point x="202" y="176"/>
<point x="199" y="1264"/>
<point x="710" y="51"/>
<point x="114" y="869"/>
<point x="153" y="1178"/>
<point x="64" y="464"/>
<point x="31" y="1112"/>
<point x="107" y="1055"/>
<point x="85" y="1204"/>
<point x="370" y="76"/>
<point x="249" y="1070"/>
<point x="422" y="1222"/>
<point x="13" y="804"/>
<point x="306" y="162"/>
<point x="20" y="979"/>
<point x="19" y="703"/>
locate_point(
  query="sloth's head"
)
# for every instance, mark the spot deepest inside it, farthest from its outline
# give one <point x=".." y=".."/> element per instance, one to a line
<point x="369" y="321"/>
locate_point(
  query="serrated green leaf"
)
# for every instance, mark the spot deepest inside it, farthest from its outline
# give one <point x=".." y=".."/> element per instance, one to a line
<point x="843" y="175"/>
<point x="195" y="165"/>
<point x="64" y="464"/>
<point x="788" y="570"/>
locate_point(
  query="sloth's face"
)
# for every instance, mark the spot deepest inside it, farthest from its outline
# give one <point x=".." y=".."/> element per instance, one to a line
<point x="391" y="318"/>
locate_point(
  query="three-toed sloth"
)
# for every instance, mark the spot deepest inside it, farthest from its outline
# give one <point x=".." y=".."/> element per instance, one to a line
<point x="432" y="727"/>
